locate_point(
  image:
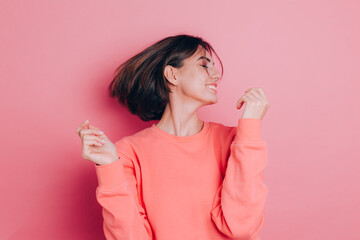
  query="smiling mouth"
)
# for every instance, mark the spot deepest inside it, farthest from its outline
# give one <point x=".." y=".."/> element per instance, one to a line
<point x="212" y="87"/>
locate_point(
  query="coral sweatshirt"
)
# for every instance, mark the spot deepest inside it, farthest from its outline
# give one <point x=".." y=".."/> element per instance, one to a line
<point x="206" y="186"/>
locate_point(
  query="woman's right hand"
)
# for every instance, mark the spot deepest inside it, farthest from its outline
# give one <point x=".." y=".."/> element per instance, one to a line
<point x="96" y="147"/>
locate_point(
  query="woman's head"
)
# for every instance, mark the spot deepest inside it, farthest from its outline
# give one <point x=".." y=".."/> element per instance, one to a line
<point x="171" y="65"/>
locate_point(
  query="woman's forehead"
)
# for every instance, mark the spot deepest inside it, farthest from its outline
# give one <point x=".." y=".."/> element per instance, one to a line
<point x="202" y="54"/>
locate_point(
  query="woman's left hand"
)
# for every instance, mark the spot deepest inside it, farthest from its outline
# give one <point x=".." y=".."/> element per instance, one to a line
<point x="256" y="103"/>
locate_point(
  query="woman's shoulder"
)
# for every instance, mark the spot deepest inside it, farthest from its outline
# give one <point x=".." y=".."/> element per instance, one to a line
<point x="129" y="140"/>
<point x="222" y="128"/>
<point x="223" y="131"/>
<point x="128" y="145"/>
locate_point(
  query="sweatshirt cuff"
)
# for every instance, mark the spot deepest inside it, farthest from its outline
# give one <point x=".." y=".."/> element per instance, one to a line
<point x="110" y="175"/>
<point x="249" y="129"/>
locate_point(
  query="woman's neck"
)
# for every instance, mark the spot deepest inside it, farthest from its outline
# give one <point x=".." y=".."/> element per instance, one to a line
<point x="180" y="122"/>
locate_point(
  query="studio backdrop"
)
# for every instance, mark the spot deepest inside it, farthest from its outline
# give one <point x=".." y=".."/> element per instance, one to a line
<point x="57" y="59"/>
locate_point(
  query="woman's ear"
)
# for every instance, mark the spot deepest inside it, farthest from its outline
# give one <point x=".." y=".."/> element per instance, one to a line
<point x="169" y="73"/>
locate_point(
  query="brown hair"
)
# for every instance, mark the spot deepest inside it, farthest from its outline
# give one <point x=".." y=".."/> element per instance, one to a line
<point x="139" y="82"/>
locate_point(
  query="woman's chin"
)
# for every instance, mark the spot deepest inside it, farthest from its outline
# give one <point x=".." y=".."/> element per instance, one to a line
<point x="213" y="101"/>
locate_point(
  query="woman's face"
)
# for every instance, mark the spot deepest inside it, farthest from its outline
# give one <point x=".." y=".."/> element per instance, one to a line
<point x="197" y="76"/>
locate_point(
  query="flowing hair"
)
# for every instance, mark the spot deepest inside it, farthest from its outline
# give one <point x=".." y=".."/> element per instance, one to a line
<point x="139" y="82"/>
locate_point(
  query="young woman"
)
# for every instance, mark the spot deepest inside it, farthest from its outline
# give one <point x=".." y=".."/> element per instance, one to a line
<point x="182" y="178"/>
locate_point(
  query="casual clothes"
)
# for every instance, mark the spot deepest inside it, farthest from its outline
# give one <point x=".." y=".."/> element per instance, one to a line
<point x="207" y="186"/>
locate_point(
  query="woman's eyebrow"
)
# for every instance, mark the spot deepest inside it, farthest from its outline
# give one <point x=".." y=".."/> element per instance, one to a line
<point x="202" y="57"/>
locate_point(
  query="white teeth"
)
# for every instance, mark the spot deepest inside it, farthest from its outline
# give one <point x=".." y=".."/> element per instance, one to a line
<point x="212" y="86"/>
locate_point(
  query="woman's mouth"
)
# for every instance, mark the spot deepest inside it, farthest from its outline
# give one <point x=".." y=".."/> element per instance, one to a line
<point x="212" y="87"/>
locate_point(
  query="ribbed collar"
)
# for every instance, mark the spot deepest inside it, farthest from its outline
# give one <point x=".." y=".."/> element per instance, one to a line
<point x="173" y="138"/>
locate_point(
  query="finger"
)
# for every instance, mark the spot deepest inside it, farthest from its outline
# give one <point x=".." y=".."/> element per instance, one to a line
<point x="239" y="105"/>
<point x="241" y="101"/>
<point x="244" y="99"/>
<point x="253" y="98"/>
<point x="90" y="131"/>
<point x="254" y="95"/>
<point x="263" y="93"/>
<point x="92" y="127"/>
<point x="259" y="94"/>
<point x="92" y="142"/>
<point x="248" y="89"/>
<point x="92" y="137"/>
<point x="258" y="91"/>
<point x="81" y="126"/>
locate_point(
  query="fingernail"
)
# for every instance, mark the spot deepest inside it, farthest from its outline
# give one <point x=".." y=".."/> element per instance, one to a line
<point x="100" y="132"/>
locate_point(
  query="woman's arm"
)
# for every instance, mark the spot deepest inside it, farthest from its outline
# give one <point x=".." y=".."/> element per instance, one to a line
<point x="124" y="216"/>
<point x="239" y="206"/>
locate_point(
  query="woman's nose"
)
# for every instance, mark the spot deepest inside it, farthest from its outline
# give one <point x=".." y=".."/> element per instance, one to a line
<point x="215" y="73"/>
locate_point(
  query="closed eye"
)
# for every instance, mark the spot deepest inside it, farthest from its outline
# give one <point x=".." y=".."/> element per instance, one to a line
<point x="204" y="66"/>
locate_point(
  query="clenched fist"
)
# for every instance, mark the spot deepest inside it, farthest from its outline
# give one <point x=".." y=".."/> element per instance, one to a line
<point x="256" y="101"/>
<point x="96" y="147"/>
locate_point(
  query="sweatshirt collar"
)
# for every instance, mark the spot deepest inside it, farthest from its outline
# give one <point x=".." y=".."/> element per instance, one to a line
<point x="173" y="138"/>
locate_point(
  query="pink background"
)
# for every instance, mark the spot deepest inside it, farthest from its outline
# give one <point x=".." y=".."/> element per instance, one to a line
<point x="58" y="58"/>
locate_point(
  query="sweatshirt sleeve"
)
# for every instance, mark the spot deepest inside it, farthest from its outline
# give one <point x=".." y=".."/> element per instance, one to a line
<point x="238" y="209"/>
<point x="117" y="193"/>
